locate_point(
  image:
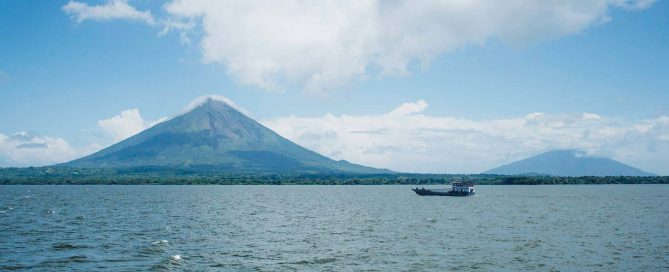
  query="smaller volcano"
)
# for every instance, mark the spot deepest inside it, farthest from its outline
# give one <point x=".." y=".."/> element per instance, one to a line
<point x="573" y="163"/>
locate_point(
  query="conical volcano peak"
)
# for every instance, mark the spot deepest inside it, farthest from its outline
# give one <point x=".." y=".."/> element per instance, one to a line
<point x="213" y="133"/>
<point x="213" y="102"/>
<point x="218" y="118"/>
<point x="215" y="115"/>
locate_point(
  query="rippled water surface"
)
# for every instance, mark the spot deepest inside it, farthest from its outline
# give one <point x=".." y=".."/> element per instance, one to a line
<point x="333" y="228"/>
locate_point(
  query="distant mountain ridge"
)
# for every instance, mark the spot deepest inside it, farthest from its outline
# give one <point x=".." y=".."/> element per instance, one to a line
<point x="215" y="136"/>
<point x="571" y="163"/>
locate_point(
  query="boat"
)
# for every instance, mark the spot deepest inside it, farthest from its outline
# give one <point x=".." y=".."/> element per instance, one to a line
<point x="457" y="189"/>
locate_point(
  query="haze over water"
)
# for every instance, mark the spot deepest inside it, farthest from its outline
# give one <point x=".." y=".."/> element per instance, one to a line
<point x="333" y="228"/>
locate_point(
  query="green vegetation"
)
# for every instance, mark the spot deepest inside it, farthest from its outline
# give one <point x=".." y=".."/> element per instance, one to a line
<point x="68" y="175"/>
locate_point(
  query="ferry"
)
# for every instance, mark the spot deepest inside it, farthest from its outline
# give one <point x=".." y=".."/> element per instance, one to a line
<point x="457" y="189"/>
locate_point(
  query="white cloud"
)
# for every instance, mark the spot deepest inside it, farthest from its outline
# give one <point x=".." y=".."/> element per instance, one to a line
<point x="126" y="124"/>
<point x="112" y="10"/>
<point x="31" y="149"/>
<point x="410" y="108"/>
<point x="591" y="116"/>
<point x="638" y="4"/>
<point x="416" y="142"/>
<point x="322" y="45"/>
<point x="183" y="27"/>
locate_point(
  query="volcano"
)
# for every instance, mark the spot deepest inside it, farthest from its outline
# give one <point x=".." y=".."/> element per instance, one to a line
<point x="572" y="163"/>
<point x="214" y="136"/>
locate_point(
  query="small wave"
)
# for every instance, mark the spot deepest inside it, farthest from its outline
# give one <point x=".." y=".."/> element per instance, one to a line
<point x="66" y="246"/>
<point x="160" y="242"/>
<point x="160" y="267"/>
<point x="169" y="264"/>
<point x="67" y="260"/>
<point x="79" y="259"/>
<point x="13" y="267"/>
<point x="431" y="220"/>
<point x="317" y="261"/>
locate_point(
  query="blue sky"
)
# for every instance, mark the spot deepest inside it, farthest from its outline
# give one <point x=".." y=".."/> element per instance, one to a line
<point x="61" y="73"/>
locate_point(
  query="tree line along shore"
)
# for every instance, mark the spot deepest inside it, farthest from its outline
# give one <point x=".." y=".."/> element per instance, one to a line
<point x="62" y="175"/>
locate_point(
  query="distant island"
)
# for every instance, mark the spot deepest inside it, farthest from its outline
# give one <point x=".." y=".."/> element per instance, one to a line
<point x="215" y="143"/>
<point x="569" y="163"/>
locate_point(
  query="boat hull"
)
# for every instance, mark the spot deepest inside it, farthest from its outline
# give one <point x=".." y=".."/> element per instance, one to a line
<point x="428" y="192"/>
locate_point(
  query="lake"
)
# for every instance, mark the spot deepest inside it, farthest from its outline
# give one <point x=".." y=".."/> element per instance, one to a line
<point x="334" y="228"/>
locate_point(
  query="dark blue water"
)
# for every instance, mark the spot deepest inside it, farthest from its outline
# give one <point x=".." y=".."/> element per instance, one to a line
<point x="334" y="228"/>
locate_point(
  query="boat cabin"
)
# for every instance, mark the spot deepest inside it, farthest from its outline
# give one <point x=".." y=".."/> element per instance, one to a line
<point x="463" y="187"/>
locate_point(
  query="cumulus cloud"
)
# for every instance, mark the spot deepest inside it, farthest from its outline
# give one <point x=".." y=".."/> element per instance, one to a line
<point x="591" y="116"/>
<point x="181" y="26"/>
<point x="405" y="139"/>
<point x="31" y="149"/>
<point x="409" y="108"/>
<point x="128" y="123"/>
<point x="322" y="45"/>
<point x="111" y="10"/>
